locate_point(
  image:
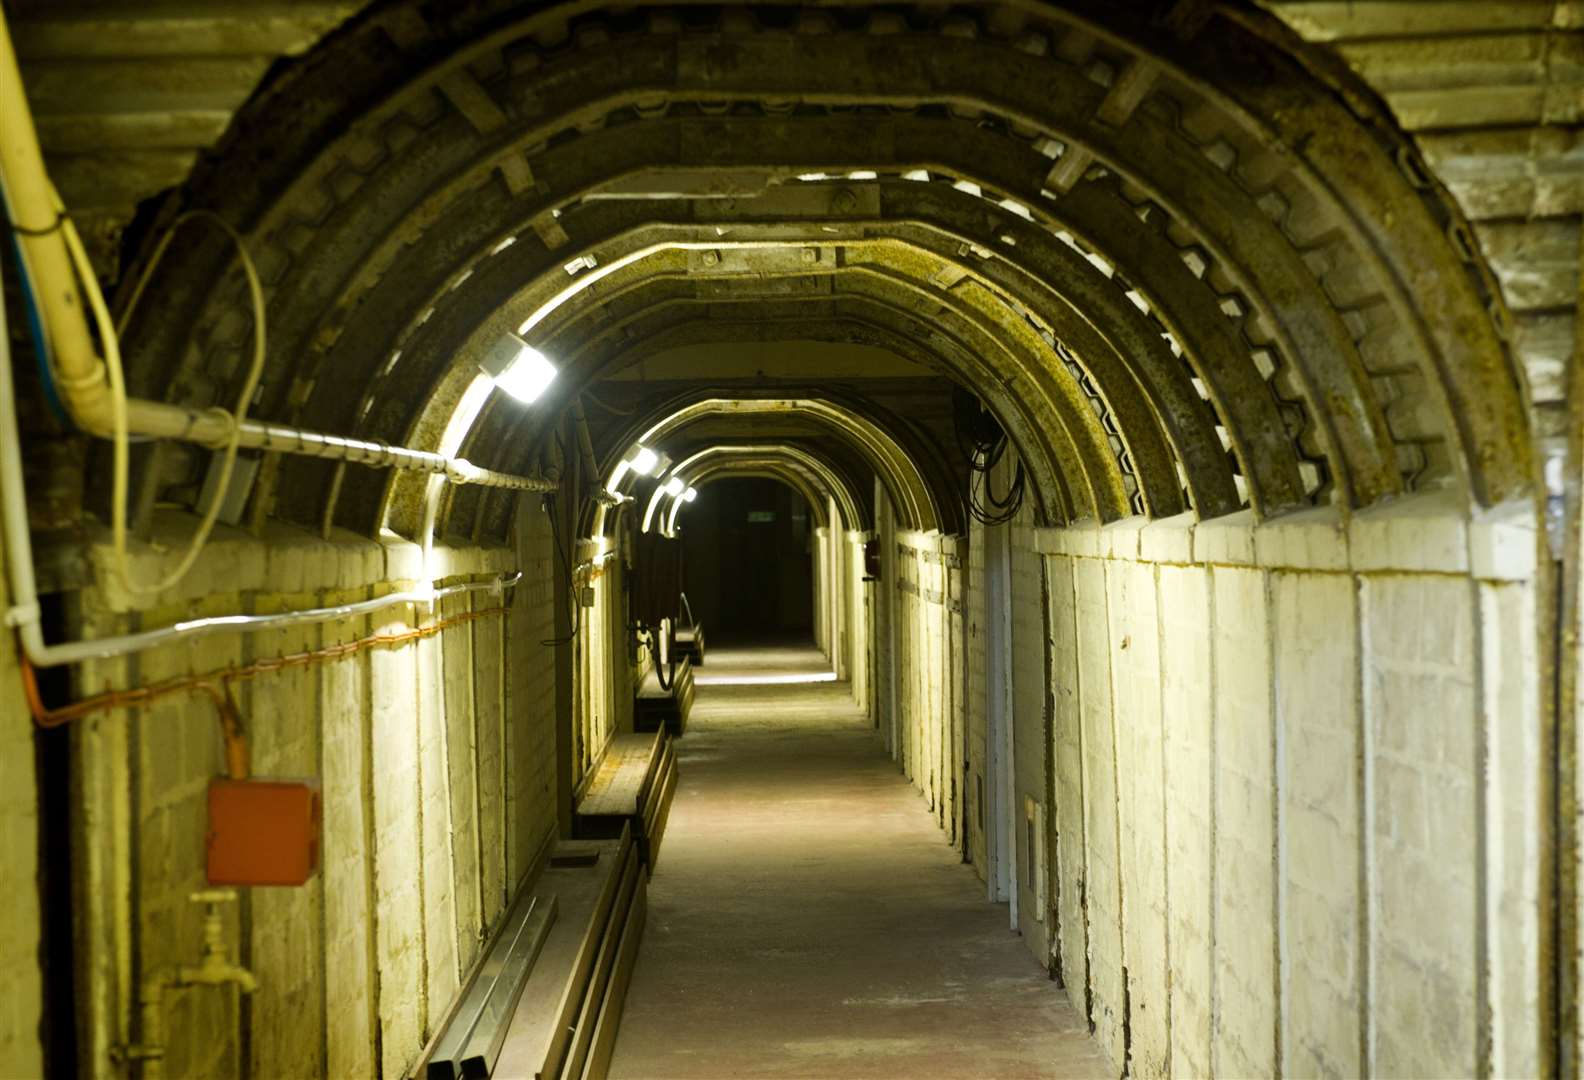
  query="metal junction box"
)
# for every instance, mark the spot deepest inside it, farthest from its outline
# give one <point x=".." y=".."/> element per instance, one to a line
<point x="262" y="832"/>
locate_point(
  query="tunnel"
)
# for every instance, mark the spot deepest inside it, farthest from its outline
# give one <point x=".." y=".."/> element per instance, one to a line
<point x="681" y="539"/>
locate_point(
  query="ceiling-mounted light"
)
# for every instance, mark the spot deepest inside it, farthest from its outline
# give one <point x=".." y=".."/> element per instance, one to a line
<point x="644" y="461"/>
<point x="518" y="368"/>
<point x="689" y="495"/>
<point x="674" y="486"/>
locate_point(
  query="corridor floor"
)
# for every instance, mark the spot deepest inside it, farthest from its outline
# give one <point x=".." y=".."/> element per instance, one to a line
<point x="808" y="919"/>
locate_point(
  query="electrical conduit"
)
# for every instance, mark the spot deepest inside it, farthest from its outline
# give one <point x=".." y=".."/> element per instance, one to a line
<point x="42" y="233"/>
<point x="24" y="611"/>
<point x="41" y="236"/>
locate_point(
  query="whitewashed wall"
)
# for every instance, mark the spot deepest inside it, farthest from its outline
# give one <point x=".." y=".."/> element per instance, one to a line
<point x="436" y="761"/>
<point x="925" y="583"/>
<point x="1297" y="791"/>
<point x="21" y="1053"/>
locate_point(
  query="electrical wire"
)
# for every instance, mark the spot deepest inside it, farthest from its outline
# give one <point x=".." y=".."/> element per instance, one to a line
<point x="673" y="654"/>
<point x="566" y="571"/>
<point x="983" y="451"/>
<point x="109" y="334"/>
<point x="214" y="683"/>
<point x="1001" y="510"/>
<point x="651" y="634"/>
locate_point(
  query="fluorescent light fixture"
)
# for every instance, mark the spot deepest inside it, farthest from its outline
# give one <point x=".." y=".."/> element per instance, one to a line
<point x="674" y="486"/>
<point x="518" y="368"/>
<point x="644" y="461"/>
<point x="690" y="494"/>
<point x="620" y="471"/>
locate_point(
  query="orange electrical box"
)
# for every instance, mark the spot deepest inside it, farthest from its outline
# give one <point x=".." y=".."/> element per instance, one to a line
<point x="262" y="832"/>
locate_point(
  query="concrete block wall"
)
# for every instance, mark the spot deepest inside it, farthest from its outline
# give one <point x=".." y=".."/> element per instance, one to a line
<point x="1187" y="695"/>
<point x="1031" y="738"/>
<point x="887" y="636"/>
<point x="819" y="572"/>
<point x="860" y="624"/>
<point x="1297" y="791"/>
<point x="22" y="1005"/>
<point x="837" y="574"/>
<point x="530" y="692"/>
<point x="1140" y="770"/>
<point x="286" y="931"/>
<point x="926" y="589"/>
<point x="910" y="658"/>
<point x="976" y="663"/>
<point x="1099" y="851"/>
<point x="606" y="679"/>
<point x="436" y="760"/>
<point x="1070" y="959"/>
<point x="827" y="583"/>
<point x="590" y="726"/>
<point x="954" y="698"/>
<point x="346" y="874"/>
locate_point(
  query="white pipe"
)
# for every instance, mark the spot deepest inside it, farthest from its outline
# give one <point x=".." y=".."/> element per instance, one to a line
<point x="72" y="652"/>
<point x="24" y="612"/>
<point x="216" y="969"/>
<point x="312" y="444"/>
<point x="30" y="204"/>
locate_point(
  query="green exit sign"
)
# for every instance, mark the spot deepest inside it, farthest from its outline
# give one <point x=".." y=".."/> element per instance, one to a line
<point x="760" y="517"/>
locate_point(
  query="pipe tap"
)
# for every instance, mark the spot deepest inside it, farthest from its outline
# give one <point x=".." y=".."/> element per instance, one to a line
<point x="214" y="969"/>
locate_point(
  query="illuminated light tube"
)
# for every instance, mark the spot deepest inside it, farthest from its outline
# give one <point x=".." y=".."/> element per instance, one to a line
<point x="644" y="461"/>
<point x="518" y="368"/>
<point x="690" y="494"/>
<point x="674" y="486"/>
<point x="616" y="478"/>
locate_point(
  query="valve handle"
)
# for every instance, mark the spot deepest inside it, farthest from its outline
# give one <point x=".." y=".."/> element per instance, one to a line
<point x="212" y="896"/>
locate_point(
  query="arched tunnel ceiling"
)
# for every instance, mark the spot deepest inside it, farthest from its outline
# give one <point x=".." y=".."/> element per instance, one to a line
<point x="850" y="440"/>
<point x="780" y="473"/>
<point x="773" y="359"/>
<point x="813" y="472"/>
<point x="808" y="473"/>
<point x="1175" y="284"/>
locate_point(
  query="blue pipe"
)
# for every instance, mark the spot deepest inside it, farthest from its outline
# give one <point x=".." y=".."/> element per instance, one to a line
<point x="41" y="354"/>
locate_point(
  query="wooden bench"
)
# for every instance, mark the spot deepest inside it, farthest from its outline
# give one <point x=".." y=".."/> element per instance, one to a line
<point x="631" y="790"/>
<point x="690" y="643"/>
<point x="657" y="707"/>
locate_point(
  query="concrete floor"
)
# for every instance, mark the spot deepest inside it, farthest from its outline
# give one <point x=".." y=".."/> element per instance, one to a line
<point x="807" y="918"/>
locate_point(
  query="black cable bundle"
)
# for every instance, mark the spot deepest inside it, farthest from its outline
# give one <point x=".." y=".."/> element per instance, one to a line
<point x="566" y="570"/>
<point x="667" y="679"/>
<point x="1000" y="509"/>
<point x="983" y="443"/>
<point x="646" y="568"/>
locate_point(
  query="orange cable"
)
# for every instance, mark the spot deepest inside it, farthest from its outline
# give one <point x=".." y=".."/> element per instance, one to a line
<point x="216" y="683"/>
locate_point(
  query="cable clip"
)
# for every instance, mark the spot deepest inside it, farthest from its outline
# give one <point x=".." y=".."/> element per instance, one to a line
<point x="23" y="614"/>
